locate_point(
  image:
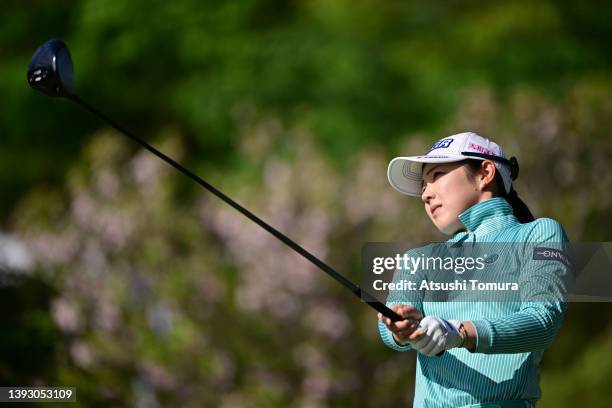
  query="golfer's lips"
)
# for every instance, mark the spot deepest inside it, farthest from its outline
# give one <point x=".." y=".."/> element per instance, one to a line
<point x="433" y="208"/>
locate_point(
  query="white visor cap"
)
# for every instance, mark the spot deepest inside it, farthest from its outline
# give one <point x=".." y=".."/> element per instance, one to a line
<point x="406" y="173"/>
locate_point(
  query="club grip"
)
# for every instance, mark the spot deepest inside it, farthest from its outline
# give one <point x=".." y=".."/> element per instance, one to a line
<point x="397" y="318"/>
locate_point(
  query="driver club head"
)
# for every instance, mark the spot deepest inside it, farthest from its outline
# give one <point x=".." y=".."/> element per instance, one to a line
<point x="50" y="70"/>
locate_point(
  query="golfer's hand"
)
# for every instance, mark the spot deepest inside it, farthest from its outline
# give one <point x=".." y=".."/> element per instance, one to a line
<point x="439" y="335"/>
<point x="405" y="331"/>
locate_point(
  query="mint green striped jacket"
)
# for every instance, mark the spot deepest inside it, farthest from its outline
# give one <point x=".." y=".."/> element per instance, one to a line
<point x="511" y="335"/>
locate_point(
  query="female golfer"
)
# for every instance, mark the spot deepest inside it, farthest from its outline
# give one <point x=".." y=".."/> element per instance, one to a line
<point x="479" y="353"/>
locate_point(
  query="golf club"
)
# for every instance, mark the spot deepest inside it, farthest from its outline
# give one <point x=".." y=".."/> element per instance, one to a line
<point x="51" y="72"/>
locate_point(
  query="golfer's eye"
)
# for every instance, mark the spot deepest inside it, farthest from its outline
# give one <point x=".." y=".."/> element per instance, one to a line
<point x="436" y="174"/>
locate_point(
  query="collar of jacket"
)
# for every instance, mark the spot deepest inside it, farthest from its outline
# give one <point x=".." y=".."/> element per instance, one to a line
<point x="485" y="217"/>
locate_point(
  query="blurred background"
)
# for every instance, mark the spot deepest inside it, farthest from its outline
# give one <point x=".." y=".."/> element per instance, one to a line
<point x="127" y="281"/>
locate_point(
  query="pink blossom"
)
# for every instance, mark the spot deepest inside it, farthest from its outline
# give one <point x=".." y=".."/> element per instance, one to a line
<point x="82" y="354"/>
<point x="66" y="315"/>
<point x="159" y="376"/>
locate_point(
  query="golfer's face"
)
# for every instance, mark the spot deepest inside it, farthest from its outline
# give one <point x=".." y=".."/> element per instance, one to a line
<point x="447" y="192"/>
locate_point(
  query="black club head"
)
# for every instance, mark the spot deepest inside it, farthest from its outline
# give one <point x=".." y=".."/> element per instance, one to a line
<point x="50" y="70"/>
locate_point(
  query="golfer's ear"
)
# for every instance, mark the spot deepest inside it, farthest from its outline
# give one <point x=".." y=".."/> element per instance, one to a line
<point x="487" y="172"/>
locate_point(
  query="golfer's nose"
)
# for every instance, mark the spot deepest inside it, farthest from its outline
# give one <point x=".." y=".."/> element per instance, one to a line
<point x="427" y="193"/>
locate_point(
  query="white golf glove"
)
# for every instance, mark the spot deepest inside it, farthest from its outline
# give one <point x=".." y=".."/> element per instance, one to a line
<point x="439" y="335"/>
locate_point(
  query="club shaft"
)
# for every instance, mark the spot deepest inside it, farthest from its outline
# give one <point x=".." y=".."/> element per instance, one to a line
<point x="355" y="289"/>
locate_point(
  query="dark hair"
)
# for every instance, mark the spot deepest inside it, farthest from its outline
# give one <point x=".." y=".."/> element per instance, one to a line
<point x="519" y="208"/>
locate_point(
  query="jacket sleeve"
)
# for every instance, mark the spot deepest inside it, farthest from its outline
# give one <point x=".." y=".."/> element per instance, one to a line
<point x="402" y="297"/>
<point x="544" y="284"/>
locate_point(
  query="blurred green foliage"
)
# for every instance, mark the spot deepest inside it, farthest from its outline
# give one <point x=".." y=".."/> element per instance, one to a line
<point x="148" y="291"/>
